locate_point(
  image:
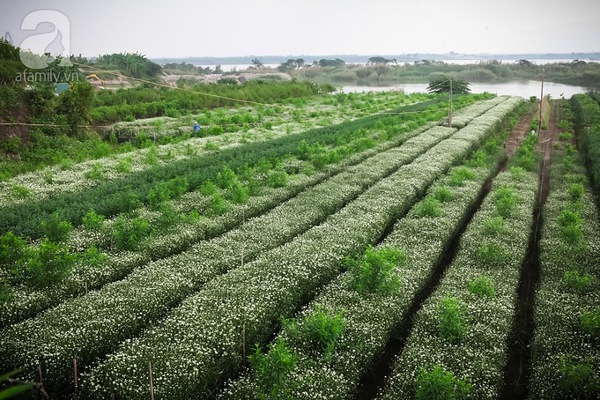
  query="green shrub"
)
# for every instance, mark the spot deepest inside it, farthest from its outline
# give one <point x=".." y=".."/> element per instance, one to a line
<point x="479" y="159"/>
<point x="239" y="193"/>
<point x="443" y="194"/>
<point x="506" y="200"/>
<point x="127" y="234"/>
<point x="491" y="254"/>
<point x="482" y="286"/>
<point x="208" y="188"/>
<point x="460" y="175"/>
<point x="278" y="178"/>
<point x="48" y="264"/>
<point x="429" y="207"/>
<point x="439" y="384"/>
<point x="273" y="368"/>
<point x="576" y="191"/>
<point x="318" y="333"/>
<point x="92" y="257"/>
<point x="517" y="173"/>
<point x="96" y="173"/>
<point x="577" y="281"/>
<point x="13" y="250"/>
<point x="20" y="192"/>
<point x="494" y="226"/>
<point x="55" y="229"/>
<point x="93" y="221"/>
<point x="590" y="322"/>
<point x="578" y="380"/>
<point x="226" y="178"/>
<point x="124" y="165"/>
<point x="373" y="272"/>
<point x="571" y="227"/>
<point x="128" y="200"/>
<point x="151" y="157"/>
<point x="453" y="324"/>
<point x="565" y="136"/>
<point x="218" y="205"/>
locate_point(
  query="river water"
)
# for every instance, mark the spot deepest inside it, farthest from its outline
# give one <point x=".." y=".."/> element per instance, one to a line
<point x="524" y="89"/>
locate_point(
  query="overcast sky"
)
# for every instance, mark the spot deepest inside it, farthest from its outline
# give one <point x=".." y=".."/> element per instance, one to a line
<point x="182" y="28"/>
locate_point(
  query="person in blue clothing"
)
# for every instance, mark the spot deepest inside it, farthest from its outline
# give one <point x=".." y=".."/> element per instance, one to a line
<point x="197" y="126"/>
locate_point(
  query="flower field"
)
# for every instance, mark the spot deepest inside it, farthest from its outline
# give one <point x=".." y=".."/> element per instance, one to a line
<point x="288" y="251"/>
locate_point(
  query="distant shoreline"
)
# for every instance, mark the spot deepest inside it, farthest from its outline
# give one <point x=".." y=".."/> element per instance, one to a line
<point x="354" y="58"/>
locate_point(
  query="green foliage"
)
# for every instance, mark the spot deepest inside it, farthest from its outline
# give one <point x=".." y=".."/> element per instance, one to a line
<point x="491" y="253"/>
<point x="565" y="136"/>
<point x="124" y="165"/>
<point x="128" y="233"/>
<point x="479" y="159"/>
<point x="278" y="178"/>
<point x="494" y="226"/>
<point x="95" y="173"/>
<point x="318" y="333"/>
<point x="526" y="156"/>
<point x="93" y="221"/>
<point x="576" y="191"/>
<point x="578" y="379"/>
<point x="373" y="272"/>
<point x="443" y="194"/>
<point x="14" y="390"/>
<point x="20" y="192"/>
<point x="92" y="257"/>
<point x="429" y="207"/>
<point x="273" y="368"/>
<point x="76" y="104"/>
<point x="218" y="205"/>
<point x="439" y="384"/>
<point x="482" y="286"/>
<point x="48" y="264"/>
<point x="590" y="322"/>
<point x="571" y="227"/>
<point x="506" y="201"/>
<point x="579" y="282"/>
<point x="208" y="188"/>
<point x="453" y="324"/>
<point x="239" y="193"/>
<point x="12" y="250"/>
<point x="226" y="179"/>
<point x="460" y="175"/>
<point x="444" y="84"/>
<point x="55" y="229"/>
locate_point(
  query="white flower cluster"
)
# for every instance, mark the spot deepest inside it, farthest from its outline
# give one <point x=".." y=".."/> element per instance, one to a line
<point x="27" y="302"/>
<point x="206" y="332"/>
<point x="370" y="320"/>
<point x="73" y="179"/>
<point x="463" y="117"/>
<point x="566" y="358"/>
<point x="479" y="354"/>
<point x="93" y="325"/>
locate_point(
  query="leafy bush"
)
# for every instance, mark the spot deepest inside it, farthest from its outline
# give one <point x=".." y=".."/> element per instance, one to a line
<point x="453" y="324"/>
<point x="93" y="221"/>
<point x="479" y="159"/>
<point x="218" y="205"/>
<point x="273" y="368"/>
<point x="576" y="191"/>
<point x="506" y="200"/>
<point x="318" y="333"/>
<point x="429" y="207"/>
<point x="565" y="136"/>
<point x="278" y="178"/>
<point x="461" y="174"/>
<point x="48" y="264"/>
<point x="208" y="188"/>
<point x="577" y="281"/>
<point x="491" y="253"/>
<point x="494" y="226"/>
<point x="439" y="384"/>
<point x="578" y="379"/>
<point x="571" y="227"/>
<point x="127" y="234"/>
<point x="482" y="286"/>
<point x="590" y="322"/>
<point x="373" y="272"/>
<point x="226" y="178"/>
<point x="239" y="193"/>
<point x="443" y="194"/>
<point x="55" y="229"/>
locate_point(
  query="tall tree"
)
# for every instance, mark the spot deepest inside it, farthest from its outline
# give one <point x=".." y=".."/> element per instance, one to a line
<point x="443" y="83"/>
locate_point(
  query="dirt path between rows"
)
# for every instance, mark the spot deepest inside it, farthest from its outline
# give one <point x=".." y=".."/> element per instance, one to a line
<point x="374" y="380"/>
<point x="518" y="367"/>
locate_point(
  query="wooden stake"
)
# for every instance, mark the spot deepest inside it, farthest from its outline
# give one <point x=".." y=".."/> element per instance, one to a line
<point x="40" y="372"/>
<point x="244" y="341"/>
<point x="150" y="380"/>
<point x="75" y="374"/>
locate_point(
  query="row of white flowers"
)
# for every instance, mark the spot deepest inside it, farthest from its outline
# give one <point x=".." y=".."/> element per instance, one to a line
<point x="201" y="341"/>
<point x="371" y="319"/>
<point x="93" y="325"/>
<point x="54" y="180"/>
<point x="463" y="117"/>
<point x="474" y="350"/>
<point x="566" y="357"/>
<point x="26" y="302"/>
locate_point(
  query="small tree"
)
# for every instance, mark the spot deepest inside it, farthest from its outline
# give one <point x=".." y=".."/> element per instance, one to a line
<point x="442" y="85"/>
<point x="256" y="63"/>
<point x="76" y="104"/>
